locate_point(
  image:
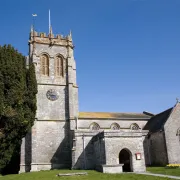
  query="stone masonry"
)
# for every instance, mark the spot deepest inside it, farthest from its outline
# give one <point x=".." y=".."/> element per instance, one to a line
<point x="63" y="137"/>
<point x="172" y="136"/>
<point x="50" y="143"/>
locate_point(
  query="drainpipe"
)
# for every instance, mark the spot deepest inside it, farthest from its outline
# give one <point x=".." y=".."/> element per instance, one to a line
<point x="84" y="154"/>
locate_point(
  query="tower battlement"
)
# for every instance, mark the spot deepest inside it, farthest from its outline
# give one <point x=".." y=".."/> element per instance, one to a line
<point x="51" y="39"/>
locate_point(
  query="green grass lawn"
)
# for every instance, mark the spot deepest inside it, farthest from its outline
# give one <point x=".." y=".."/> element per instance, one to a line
<point x="92" y="175"/>
<point x="163" y="170"/>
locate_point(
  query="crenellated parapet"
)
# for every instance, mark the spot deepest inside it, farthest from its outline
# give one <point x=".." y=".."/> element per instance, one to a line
<point x="50" y="39"/>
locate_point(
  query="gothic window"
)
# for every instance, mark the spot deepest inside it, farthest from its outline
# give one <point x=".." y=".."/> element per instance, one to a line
<point x="94" y="126"/>
<point x="59" y="66"/>
<point x="134" y="127"/>
<point x="44" y="65"/>
<point x="115" y="126"/>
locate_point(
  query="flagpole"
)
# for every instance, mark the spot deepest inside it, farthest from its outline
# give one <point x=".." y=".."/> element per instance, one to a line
<point x="33" y="22"/>
<point x="49" y="21"/>
<point x="33" y="16"/>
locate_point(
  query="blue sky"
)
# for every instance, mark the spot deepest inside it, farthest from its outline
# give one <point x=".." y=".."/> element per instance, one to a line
<point x="127" y="51"/>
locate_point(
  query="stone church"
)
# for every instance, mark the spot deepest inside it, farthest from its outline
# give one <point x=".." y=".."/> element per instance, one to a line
<point x="63" y="137"/>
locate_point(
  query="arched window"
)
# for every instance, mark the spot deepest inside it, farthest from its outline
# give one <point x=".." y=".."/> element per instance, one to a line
<point x="59" y="66"/>
<point x="134" y="127"/>
<point x="44" y="65"/>
<point x="94" y="126"/>
<point x="115" y="126"/>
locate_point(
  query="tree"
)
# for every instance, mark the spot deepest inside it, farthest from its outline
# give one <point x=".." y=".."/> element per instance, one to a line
<point x="18" y="91"/>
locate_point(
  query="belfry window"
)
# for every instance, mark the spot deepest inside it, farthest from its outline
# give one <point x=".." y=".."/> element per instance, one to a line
<point x="44" y="65"/>
<point x="59" y="66"/>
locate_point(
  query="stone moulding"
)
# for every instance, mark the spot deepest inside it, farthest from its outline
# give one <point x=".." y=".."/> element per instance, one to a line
<point x="112" y="133"/>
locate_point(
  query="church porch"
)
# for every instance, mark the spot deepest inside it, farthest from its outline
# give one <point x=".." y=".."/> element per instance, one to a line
<point x="123" y="151"/>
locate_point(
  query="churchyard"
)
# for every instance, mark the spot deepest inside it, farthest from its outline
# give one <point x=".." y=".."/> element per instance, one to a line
<point x="92" y="175"/>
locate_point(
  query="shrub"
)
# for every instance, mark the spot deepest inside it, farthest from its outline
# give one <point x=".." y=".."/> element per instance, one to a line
<point x="18" y="90"/>
<point x="173" y="166"/>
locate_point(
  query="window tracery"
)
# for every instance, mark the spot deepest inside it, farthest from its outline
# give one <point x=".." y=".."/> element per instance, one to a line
<point x="94" y="126"/>
<point x="115" y="126"/>
<point x="134" y="127"/>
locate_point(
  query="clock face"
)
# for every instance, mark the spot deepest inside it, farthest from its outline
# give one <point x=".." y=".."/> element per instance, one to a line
<point x="52" y="95"/>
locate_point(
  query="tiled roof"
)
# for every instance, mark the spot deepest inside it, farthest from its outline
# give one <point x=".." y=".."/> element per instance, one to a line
<point x="107" y="115"/>
<point x="157" y="122"/>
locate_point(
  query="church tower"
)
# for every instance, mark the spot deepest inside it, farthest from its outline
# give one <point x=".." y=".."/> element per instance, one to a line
<point x="49" y="143"/>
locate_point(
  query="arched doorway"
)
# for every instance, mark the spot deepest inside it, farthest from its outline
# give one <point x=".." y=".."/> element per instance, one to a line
<point x="125" y="158"/>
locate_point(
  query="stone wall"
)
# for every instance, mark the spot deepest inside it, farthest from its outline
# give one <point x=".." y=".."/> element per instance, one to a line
<point x="50" y="145"/>
<point x="106" y="123"/>
<point x="46" y="147"/>
<point x="92" y="150"/>
<point x="83" y="155"/>
<point x="26" y="153"/>
<point x="147" y="155"/>
<point x="157" y="146"/>
<point x="171" y="134"/>
<point x="131" y="141"/>
<point x="51" y="53"/>
<point x="51" y="141"/>
<point x="52" y="110"/>
<point x="99" y="151"/>
<point x="89" y="150"/>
